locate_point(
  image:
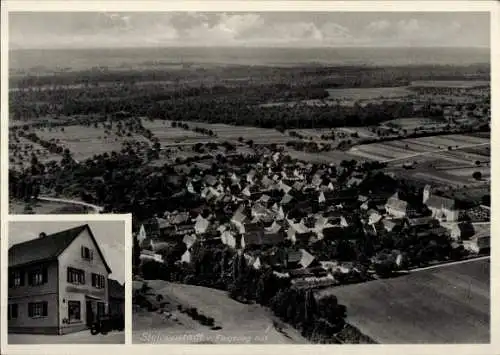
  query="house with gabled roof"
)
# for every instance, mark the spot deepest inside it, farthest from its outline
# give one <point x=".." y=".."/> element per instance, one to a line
<point x="240" y="217"/>
<point x="299" y="259"/>
<point x="299" y="232"/>
<point x="396" y="207"/>
<point x="442" y="208"/>
<point x="58" y="283"/>
<point x="201" y="225"/>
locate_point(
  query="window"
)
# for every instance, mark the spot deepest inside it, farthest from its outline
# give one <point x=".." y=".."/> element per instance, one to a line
<point x="37" y="276"/>
<point x="87" y="253"/>
<point x="74" y="310"/>
<point x="16" y="279"/>
<point x="98" y="281"/>
<point x="12" y="311"/>
<point x="37" y="309"/>
<point x="76" y="276"/>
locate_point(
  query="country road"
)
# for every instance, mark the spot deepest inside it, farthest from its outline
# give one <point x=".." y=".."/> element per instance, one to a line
<point x="95" y="208"/>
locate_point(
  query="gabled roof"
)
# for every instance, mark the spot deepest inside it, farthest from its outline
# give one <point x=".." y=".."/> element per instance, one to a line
<point x="397" y="204"/>
<point x="286" y="199"/>
<point x="49" y="247"/>
<point x="301" y="257"/>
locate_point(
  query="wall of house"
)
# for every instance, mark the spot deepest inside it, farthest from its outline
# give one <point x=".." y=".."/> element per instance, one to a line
<point x="451" y="216"/>
<point x="25" y="294"/>
<point x="40" y="325"/>
<point x="72" y="257"/>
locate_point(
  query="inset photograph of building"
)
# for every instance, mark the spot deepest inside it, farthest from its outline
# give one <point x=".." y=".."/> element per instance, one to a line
<point x="66" y="282"/>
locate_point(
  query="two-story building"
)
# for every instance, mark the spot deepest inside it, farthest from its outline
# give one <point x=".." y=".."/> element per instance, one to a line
<point x="58" y="283"/>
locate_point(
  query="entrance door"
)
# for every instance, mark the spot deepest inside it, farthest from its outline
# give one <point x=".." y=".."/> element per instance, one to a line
<point x="89" y="313"/>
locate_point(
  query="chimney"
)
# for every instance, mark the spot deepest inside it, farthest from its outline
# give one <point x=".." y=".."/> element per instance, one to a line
<point x="42" y="235"/>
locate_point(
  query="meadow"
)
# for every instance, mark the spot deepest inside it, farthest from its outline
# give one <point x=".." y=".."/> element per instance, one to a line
<point x="448" y="304"/>
<point x="239" y="323"/>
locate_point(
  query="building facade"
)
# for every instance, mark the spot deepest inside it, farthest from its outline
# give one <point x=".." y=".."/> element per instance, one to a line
<point x="58" y="283"/>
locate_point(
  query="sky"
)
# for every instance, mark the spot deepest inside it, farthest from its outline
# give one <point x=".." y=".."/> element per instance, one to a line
<point x="43" y="30"/>
<point x="110" y="236"/>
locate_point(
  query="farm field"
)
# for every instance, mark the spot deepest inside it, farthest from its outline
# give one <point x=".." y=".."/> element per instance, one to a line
<point x="334" y="157"/>
<point x="167" y="134"/>
<point x="448" y="304"/>
<point x="459" y="84"/>
<point x="407" y="148"/>
<point x="435" y="164"/>
<point x="240" y="323"/>
<point x="84" y="142"/>
<point x="226" y="132"/>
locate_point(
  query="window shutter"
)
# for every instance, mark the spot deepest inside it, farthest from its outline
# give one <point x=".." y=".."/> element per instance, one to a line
<point x="11" y="279"/>
<point x="21" y="274"/>
<point x="44" y="308"/>
<point x="69" y="274"/>
<point x="83" y="277"/>
<point x="45" y="276"/>
<point x="83" y="251"/>
<point x="30" y="278"/>
<point x="30" y="310"/>
<point x="91" y="255"/>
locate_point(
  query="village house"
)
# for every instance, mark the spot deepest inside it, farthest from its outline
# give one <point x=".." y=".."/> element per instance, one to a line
<point x="229" y="237"/>
<point x="57" y="283"/>
<point x="442" y="208"/>
<point x="186" y="257"/>
<point x="296" y="259"/>
<point x="298" y="232"/>
<point x="240" y="218"/>
<point x="201" y="225"/>
<point x="399" y="208"/>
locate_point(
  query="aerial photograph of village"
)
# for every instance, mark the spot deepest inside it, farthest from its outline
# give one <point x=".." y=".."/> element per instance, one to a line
<point x="293" y="178"/>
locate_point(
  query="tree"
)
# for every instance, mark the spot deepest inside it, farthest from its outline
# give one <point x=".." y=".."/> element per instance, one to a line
<point x="477" y="175"/>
